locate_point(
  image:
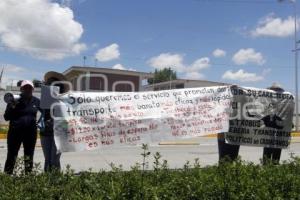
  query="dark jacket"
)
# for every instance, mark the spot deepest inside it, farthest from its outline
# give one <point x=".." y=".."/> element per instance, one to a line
<point x="22" y="115"/>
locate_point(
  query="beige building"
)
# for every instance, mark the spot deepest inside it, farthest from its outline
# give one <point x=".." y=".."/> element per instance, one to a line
<point x="105" y="79"/>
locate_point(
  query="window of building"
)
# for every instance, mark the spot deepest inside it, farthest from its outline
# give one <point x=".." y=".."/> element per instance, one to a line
<point x="123" y="88"/>
<point x="96" y="83"/>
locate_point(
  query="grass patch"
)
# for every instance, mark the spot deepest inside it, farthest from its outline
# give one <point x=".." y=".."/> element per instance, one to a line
<point x="3" y="129"/>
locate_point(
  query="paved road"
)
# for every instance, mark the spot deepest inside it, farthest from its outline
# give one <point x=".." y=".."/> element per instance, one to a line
<point x="177" y="155"/>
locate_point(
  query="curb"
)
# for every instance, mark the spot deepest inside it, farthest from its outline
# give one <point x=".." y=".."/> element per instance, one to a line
<point x="295" y="139"/>
<point x="179" y="143"/>
<point x="198" y="143"/>
<point x="293" y="134"/>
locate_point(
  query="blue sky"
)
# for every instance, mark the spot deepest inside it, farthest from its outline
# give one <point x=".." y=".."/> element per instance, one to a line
<point x="246" y="42"/>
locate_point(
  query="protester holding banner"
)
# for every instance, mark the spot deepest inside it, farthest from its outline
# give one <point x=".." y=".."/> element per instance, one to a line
<point x="273" y="154"/>
<point x="227" y="151"/>
<point x="261" y="118"/>
<point x="21" y="115"/>
<point x="52" y="157"/>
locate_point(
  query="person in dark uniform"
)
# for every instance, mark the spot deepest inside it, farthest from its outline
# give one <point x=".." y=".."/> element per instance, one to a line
<point x="273" y="154"/>
<point x="52" y="157"/>
<point x="21" y="115"/>
<point x="227" y="152"/>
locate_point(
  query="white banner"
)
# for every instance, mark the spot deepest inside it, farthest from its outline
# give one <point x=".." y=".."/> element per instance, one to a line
<point x="89" y="120"/>
<point x="260" y="117"/>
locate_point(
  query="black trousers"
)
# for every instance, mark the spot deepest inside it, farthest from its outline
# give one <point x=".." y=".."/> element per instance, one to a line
<point x="14" y="140"/>
<point x="271" y="154"/>
<point x="227" y="151"/>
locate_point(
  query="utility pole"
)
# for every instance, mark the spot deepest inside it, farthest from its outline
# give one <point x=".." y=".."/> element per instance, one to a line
<point x="296" y="63"/>
<point x="296" y="60"/>
<point x="84" y="59"/>
<point x="1" y="76"/>
<point x="170" y="77"/>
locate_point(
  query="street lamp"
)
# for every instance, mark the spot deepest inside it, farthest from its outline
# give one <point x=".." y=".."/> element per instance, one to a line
<point x="296" y="58"/>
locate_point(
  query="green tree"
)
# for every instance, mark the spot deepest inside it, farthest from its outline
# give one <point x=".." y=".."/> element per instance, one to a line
<point x="162" y="75"/>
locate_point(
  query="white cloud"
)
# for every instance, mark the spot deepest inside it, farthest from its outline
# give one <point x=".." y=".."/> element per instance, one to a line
<point x="244" y="56"/>
<point x="265" y="72"/>
<point x="175" y="62"/>
<point x="194" y="75"/>
<point x="108" y="53"/>
<point x="166" y="60"/>
<point x="121" y="67"/>
<point x="219" y="53"/>
<point x="69" y="3"/>
<point x="199" y="64"/>
<point x="66" y="3"/>
<point x="41" y="28"/>
<point x="77" y="48"/>
<point x="13" y="73"/>
<point x="242" y="76"/>
<point x="271" y="26"/>
<point x="118" y="66"/>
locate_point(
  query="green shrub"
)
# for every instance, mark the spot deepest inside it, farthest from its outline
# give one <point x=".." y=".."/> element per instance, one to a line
<point x="228" y="180"/>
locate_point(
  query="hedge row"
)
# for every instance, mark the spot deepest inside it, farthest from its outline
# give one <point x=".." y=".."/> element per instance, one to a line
<point x="228" y="180"/>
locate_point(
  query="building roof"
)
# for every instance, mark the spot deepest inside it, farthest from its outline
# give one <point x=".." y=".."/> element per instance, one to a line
<point x="184" y="81"/>
<point x="77" y="69"/>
